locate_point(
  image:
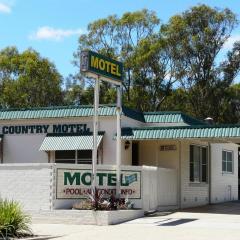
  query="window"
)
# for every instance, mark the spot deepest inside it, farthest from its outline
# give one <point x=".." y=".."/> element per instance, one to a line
<point x="198" y="164"/>
<point x="80" y="157"/>
<point x="84" y="157"/>
<point x="227" y="161"/>
<point x="65" y="156"/>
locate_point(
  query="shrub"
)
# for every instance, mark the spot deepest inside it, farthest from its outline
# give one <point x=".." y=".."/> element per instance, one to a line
<point x="98" y="202"/>
<point x="13" y="221"/>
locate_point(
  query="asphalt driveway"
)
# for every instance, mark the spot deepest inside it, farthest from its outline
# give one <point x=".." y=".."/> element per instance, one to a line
<point x="221" y="221"/>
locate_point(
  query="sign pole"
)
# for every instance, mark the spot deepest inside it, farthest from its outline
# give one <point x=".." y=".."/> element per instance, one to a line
<point x="94" y="64"/>
<point x="95" y="135"/>
<point x="118" y="147"/>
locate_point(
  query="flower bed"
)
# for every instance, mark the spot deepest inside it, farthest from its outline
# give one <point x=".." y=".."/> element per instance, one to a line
<point x="100" y="210"/>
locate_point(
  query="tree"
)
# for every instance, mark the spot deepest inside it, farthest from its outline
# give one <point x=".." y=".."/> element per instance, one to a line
<point x="154" y="73"/>
<point x="28" y="80"/>
<point x="197" y="36"/>
<point x="234" y="92"/>
<point x="169" y="64"/>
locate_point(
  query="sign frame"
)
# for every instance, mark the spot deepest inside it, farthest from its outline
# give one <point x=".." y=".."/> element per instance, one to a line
<point x="92" y="72"/>
<point x="107" y="170"/>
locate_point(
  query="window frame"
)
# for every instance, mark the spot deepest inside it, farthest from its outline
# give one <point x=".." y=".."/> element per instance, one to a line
<point x="76" y="158"/>
<point x="200" y="164"/>
<point x="232" y="153"/>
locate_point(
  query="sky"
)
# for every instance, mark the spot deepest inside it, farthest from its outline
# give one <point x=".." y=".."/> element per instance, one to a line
<point x="52" y="27"/>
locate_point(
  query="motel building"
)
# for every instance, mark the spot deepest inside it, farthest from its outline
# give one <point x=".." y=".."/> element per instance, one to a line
<point x="169" y="160"/>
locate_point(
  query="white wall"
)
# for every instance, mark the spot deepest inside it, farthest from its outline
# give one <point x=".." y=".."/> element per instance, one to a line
<point x="23" y="149"/>
<point x="194" y="194"/>
<point x="167" y="188"/>
<point x="150" y="188"/>
<point x="148" y="153"/>
<point x="34" y="185"/>
<point x="224" y="186"/>
<point x="159" y="188"/>
<point x="168" y="159"/>
<point x="30" y="184"/>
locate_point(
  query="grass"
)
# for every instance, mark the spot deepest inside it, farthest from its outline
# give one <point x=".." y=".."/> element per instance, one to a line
<point x="13" y="221"/>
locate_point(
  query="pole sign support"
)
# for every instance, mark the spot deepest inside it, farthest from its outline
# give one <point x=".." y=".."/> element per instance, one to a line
<point x="100" y="67"/>
<point x="95" y="135"/>
<point x="118" y="148"/>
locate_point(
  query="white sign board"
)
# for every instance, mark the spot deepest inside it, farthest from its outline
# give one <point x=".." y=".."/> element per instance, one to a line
<point x="76" y="183"/>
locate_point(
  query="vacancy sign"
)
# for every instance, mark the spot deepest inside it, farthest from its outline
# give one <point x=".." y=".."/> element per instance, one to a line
<point x="76" y="183"/>
<point x="99" y="66"/>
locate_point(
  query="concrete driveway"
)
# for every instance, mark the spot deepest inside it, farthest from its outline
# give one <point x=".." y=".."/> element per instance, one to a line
<point x="221" y="221"/>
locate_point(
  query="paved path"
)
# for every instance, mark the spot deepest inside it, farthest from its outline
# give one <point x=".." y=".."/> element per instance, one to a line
<point x="220" y="222"/>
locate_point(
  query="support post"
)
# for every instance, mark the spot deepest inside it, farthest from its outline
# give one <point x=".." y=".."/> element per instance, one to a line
<point x="118" y="147"/>
<point x="209" y="179"/>
<point x="95" y="135"/>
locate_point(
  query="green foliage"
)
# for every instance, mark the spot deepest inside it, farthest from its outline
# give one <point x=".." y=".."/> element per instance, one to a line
<point x="160" y="57"/>
<point x="154" y="73"/>
<point x="13" y="221"/>
<point x="172" y="66"/>
<point x="197" y="36"/>
<point x="28" y="80"/>
<point x="118" y="38"/>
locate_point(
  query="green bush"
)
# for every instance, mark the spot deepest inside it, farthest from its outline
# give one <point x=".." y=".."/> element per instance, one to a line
<point x="13" y="221"/>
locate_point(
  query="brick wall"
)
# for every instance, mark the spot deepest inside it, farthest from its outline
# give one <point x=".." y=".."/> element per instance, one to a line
<point x="224" y="185"/>
<point x="30" y="184"/>
<point x="192" y="194"/>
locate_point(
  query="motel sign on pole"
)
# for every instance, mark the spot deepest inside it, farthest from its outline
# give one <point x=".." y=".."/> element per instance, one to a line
<point x="100" y="67"/>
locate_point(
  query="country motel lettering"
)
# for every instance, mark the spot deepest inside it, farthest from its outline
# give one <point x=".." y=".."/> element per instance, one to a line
<point x="36" y="129"/>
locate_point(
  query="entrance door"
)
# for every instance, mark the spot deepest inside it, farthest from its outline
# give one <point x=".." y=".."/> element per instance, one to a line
<point x="135" y="154"/>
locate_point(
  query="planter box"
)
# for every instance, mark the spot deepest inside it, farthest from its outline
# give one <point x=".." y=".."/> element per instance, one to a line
<point x="86" y="217"/>
<point x="115" y="217"/>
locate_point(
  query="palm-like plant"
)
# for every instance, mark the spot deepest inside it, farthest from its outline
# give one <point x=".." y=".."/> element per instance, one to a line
<point x="13" y="221"/>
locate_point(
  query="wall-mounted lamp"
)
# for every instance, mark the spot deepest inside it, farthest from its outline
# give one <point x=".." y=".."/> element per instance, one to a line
<point x="127" y="145"/>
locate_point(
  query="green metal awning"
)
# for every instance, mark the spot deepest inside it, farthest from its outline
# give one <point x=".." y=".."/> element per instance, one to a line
<point x="69" y="142"/>
<point x="185" y="132"/>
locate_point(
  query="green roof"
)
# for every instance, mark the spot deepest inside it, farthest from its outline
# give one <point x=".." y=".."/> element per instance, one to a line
<point x="198" y="131"/>
<point x="170" y="117"/>
<point x="54" y="112"/>
<point x="104" y="110"/>
<point x="65" y="112"/>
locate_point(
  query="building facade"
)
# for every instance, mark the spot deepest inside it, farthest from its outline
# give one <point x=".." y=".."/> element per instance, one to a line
<point x="203" y="156"/>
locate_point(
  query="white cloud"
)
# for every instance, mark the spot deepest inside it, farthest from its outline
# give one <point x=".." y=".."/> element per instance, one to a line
<point x="49" y="33"/>
<point x="231" y="40"/>
<point x="4" y="8"/>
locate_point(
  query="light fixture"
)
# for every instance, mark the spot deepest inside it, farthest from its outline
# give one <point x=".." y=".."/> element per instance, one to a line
<point x="127" y="145"/>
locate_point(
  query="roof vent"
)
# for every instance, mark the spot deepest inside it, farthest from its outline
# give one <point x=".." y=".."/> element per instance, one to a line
<point x="209" y="120"/>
